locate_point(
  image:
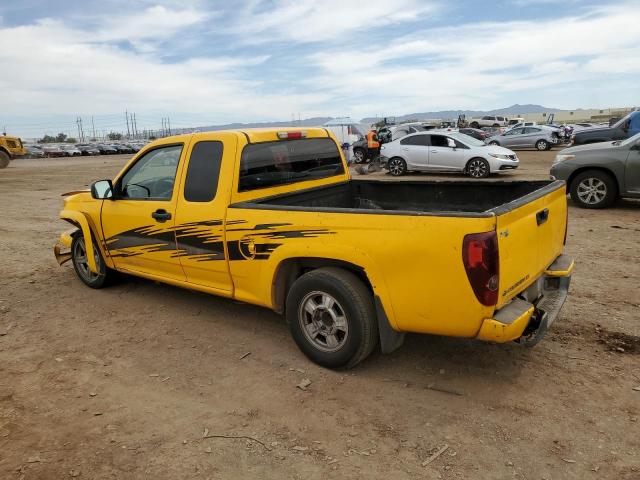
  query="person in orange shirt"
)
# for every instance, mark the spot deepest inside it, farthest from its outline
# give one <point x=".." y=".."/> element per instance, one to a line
<point x="373" y="144"/>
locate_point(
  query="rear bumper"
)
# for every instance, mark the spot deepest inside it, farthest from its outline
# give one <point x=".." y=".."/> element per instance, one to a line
<point x="528" y="317"/>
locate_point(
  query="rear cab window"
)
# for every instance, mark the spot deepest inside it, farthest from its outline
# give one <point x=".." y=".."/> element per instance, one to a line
<point x="283" y="162"/>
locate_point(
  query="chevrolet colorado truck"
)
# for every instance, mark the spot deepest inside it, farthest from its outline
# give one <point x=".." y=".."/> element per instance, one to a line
<point x="271" y="217"/>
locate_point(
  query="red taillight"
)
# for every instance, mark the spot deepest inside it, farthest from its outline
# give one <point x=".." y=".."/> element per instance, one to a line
<point x="481" y="261"/>
<point x="291" y="135"/>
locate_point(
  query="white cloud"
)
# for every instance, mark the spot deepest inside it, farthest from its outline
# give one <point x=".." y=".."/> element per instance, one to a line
<point x="66" y="72"/>
<point x="318" y="21"/>
<point x="478" y="64"/>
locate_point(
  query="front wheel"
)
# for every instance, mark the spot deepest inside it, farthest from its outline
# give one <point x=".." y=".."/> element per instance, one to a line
<point x="542" y="145"/>
<point x="397" y="166"/>
<point x="593" y="189"/>
<point x="81" y="264"/>
<point x="4" y="159"/>
<point x="332" y="317"/>
<point x="359" y="155"/>
<point x="494" y="143"/>
<point x="478" y="168"/>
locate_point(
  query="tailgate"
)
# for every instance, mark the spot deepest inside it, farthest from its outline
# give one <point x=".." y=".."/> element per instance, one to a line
<point x="531" y="233"/>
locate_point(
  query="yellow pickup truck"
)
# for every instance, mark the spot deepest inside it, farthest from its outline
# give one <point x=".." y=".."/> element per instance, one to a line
<point x="272" y="217"/>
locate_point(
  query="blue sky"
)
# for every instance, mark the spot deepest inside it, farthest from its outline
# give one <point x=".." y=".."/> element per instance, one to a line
<point x="207" y="62"/>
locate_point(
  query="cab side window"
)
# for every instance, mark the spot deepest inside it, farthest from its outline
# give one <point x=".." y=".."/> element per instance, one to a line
<point x="421" y="140"/>
<point x="152" y="176"/>
<point x="439" y="141"/>
<point x="203" y="172"/>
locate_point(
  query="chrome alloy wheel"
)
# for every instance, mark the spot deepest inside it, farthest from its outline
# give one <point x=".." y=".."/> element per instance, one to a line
<point x="592" y="191"/>
<point x="323" y="321"/>
<point x="477" y="169"/>
<point x="81" y="262"/>
<point x="395" y="167"/>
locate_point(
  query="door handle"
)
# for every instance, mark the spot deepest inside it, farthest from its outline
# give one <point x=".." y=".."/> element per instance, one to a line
<point x="161" y="215"/>
<point x="542" y="216"/>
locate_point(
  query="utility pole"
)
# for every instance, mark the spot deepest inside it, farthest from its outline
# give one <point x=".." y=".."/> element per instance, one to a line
<point x="93" y="127"/>
<point x="126" y="116"/>
<point x="135" y="126"/>
<point x="169" y="123"/>
<point x="78" y="124"/>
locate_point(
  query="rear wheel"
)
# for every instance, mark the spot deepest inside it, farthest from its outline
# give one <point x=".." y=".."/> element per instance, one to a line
<point x="397" y="166"/>
<point x="542" y="145"/>
<point x="474" y="125"/>
<point x="593" y="189"/>
<point x="81" y="264"/>
<point x="478" y="168"/>
<point x="494" y="143"/>
<point x="332" y="317"/>
<point x="359" y="155"/>
<point x="4" y="159"/>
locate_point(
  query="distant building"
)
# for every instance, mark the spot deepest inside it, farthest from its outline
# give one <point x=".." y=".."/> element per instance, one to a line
<point x="572" y="116"/>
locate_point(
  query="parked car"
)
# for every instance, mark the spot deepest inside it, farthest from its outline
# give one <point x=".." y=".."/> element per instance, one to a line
<point x="53" y="151"/>
<point x="488" y="121"/>
<point x="512" y="121"/>
<point x="618" y="131"/>
<point x="557" y="131"/>
<point x="35" y="152"/>
<point x="475" y="133"/>
<point x="106" y="149"/>
<point x="446" y="152"/>
<point x="525" y="137"/>
<point x="600" y="173"/>
<point x="344" y="260"/>
<point x="71" y="150"/>
<point x="89" y="149"/>
<point x="122" y="148"/>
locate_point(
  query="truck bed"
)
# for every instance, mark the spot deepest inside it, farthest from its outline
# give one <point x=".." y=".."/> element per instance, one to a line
<point x="455" y="198"/>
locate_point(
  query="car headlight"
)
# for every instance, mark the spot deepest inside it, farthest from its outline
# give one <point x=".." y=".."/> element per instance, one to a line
<point x="562" y="158"/>
<point x="500" y="156"/>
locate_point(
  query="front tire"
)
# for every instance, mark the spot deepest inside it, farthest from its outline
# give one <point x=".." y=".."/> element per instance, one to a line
<point x="478" y="168"/>
<point x="359" y="156"/>
<point x="397" y="167"/>
<point x="81" y="265"/>
<point x="494" y="143"/>
<point x="542" y="145"/>
<point x="474" y="125"/>
<point x="4" y="159"/>
<point x="593" y="189"/>
<point x="332" y="317"/>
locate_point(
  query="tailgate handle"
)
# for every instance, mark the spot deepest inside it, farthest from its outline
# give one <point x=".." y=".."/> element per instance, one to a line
<point x="542" y="216"/>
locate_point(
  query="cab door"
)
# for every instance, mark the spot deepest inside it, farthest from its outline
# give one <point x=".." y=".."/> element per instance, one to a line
<point x="415" y="149"/>
<point x="138" y="222"/>
<point x="444" y="157"/>
<point x="201" y="211"/>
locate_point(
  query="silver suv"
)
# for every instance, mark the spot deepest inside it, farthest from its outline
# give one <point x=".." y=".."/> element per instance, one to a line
<point x="488" y="121"/>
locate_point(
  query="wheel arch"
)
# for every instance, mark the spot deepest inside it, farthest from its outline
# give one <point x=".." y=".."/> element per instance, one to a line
<point x="84" y="223"/>
<point x="290" y="269"/>
<point x="4" y="150"/>
<point x="606" y="170"/>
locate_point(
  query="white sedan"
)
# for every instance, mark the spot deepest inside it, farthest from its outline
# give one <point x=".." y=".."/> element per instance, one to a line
<point x="446" y="152"/>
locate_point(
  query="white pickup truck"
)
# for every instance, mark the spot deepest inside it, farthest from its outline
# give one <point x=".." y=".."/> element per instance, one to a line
<point x="488" y="121"/>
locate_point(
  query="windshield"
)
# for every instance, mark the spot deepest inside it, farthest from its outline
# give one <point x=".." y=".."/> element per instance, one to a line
<point x="467" y="140"/>
<point x="621" y="122"/>
<point x="631" y="140"/>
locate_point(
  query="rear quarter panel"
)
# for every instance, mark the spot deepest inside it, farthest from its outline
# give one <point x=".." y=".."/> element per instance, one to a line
<point x="414" y="263"/>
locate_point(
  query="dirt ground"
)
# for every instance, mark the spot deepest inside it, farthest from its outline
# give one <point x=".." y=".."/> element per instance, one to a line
<point x="127" y="381"/>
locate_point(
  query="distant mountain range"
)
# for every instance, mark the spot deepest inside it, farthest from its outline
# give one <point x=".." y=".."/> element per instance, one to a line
<point x="317" y="121"/>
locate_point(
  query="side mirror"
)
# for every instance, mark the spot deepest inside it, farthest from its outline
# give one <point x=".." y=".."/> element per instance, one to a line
<point x="451" y="143"/>
<point x="102" y="189"/>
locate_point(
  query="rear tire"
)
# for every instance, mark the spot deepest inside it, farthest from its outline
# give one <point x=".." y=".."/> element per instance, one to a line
<point x="397" y="166"/>
<point x="4" y="160"/>
<point x="80" y="265"/>
<point x="474" y="125"/>
<point x="332" y="317"/>
<point x="593" y="189"/>
<point x="494" y="143"/>
<point x="542" y="145"/>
